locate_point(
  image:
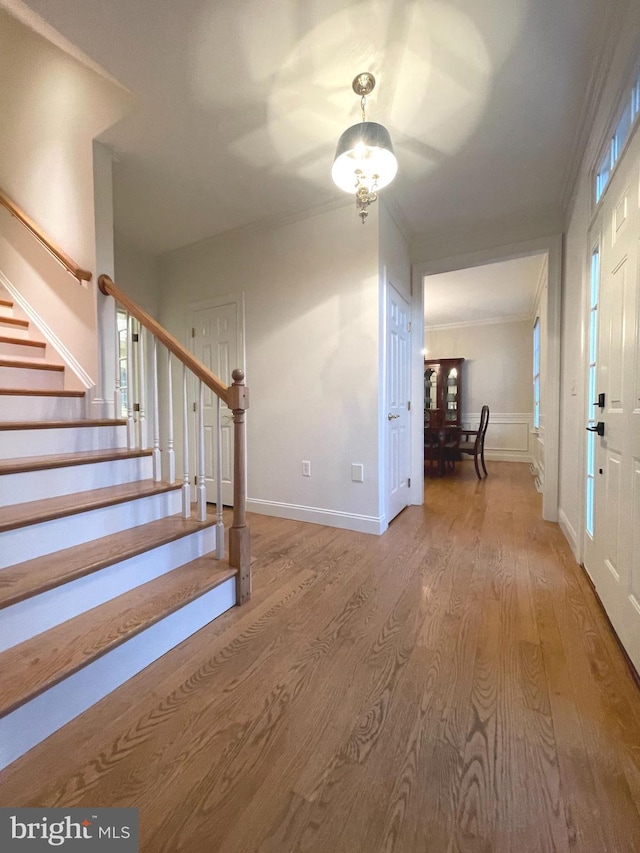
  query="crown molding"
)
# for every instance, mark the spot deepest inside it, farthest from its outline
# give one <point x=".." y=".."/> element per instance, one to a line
<point x="491" y="321"/>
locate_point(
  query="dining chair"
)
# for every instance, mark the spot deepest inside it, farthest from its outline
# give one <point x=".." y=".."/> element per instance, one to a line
<point x="472" y="442"/>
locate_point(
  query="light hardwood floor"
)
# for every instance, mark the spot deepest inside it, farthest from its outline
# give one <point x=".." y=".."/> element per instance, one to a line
<point x="449" y="686"/>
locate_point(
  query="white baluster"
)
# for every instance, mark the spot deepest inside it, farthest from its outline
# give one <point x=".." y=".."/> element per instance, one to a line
<point x="171" y="456"/>
<point x="157" y="462"/>
<point x="142" y="388"/>
<point x="117" y="394"/>
<point x="186" y="485"/>
<point x="131" y="425"/>
<point x="219" y="520"/>
<point x="201" y="488"/>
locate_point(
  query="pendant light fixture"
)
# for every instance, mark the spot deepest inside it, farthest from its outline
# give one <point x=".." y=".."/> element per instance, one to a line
<point x="364" y="161"/>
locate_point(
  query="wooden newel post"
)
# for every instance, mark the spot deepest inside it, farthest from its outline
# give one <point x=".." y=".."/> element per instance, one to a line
<point x="239" y="537"/>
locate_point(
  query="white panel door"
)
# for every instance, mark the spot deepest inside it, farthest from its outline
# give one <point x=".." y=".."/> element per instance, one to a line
<point x="612" y="553"/>
<point x="398" y="384"/>
<point x="216" y="343"/>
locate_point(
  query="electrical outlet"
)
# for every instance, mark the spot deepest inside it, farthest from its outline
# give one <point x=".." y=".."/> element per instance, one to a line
<point x="357" y="473"/>
<point x="306" y="469"/>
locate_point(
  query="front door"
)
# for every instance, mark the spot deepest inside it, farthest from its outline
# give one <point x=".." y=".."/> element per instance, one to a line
<point x="398" y="384"/>
<point x="612" y="540"/>
<point x="216" y="342"/>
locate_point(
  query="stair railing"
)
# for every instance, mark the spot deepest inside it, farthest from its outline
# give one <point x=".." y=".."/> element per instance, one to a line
<point x="236" y="397"/>
<point x="47" y="242"/>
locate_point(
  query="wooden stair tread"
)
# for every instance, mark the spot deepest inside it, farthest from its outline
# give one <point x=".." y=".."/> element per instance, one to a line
<point x="23" y="342"/>
<point x="65" y="460"/>
<point x="30" y="392"/>
<point x="31" y="365"/>
<point x="47" y="659"/>
<point x="24" y="580"/>
<point x="85" y="422"/>
<point x="36" y="512"/>
<point x="15" y="321"/>
<point x="7" y="303"/>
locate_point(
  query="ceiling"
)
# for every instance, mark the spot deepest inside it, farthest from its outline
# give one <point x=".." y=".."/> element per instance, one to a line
<point x="484" y="294"/>
<point x="241" y="102"/>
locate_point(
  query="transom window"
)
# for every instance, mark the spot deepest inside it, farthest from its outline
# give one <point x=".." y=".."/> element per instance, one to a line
<point x="616" y="141"/>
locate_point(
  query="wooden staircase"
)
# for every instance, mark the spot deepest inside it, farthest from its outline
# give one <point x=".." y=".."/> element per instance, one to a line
<point x="99" y="572"/>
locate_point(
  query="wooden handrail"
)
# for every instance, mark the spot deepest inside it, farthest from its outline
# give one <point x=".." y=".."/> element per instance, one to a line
<point x="38" y="233"/>
<point x="209" y="378"/>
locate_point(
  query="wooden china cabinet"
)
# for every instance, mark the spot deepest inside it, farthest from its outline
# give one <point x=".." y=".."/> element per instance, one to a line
<point x="443" y="392"/>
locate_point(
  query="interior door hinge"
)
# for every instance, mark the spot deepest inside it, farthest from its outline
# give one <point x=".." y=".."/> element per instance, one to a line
<point x="409" y="482"/>
<point x="194" y="407"/>
<point x="409" y="406"/>
<point x="409" y="326"/>
<point x="193" y="331"/>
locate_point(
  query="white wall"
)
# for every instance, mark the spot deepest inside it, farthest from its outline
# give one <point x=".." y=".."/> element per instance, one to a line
<point x="496" y="372"/>
<point x="52" y="107"/>
<point x="311" y="290"/>
<point x="137" y="273"/>
<point x="575" y="285"/>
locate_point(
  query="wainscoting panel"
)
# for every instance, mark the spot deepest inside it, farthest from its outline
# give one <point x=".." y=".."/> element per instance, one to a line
<point x="508" y="435"/>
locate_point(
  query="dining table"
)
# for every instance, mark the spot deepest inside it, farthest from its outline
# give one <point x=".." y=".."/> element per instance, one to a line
<point x="437" y="439"/>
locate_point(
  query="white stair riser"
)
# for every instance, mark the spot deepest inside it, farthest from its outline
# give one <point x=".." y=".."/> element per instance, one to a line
<point x="54" y="482"/>
<point x="13" y="330"/>
<point x="29" y="725"/>
<point x="35" y="540"/>
<point x="36" y="380"/>
<point x="23" y="351"/>
<point x="34" y="408"/>
<point x="28" y="618"/>
<point x="17" y="443"/>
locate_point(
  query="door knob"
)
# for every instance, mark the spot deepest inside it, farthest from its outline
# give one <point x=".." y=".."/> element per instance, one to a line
<point x="391" y="417"/>
<point x="599" y="428"/>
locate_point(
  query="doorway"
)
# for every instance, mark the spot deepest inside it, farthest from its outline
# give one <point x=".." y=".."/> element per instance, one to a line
<point x="216" y="339"/>
<point x="612" y="475"/>
<point x="512" y="434"/>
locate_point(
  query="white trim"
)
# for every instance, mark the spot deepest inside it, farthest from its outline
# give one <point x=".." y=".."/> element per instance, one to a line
<point x="316" y="515"/>
<point x="48" y="333"/>
<point x="570" y="535"/>
<point x="416" y="491"/>
<point x="504" y="453"/>
<point x="507" y="456"/>
<point x="491" y="321"/>
<point x="540" y="286"/>
<point x="590" y="104"/>
<point x="30" y="724"/>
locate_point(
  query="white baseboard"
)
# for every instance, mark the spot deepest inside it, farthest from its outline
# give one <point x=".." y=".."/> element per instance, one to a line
<point x="570" y="535"/>
<point x="314" y="515"/>
<point x="27" y="726"/>
<point x="507" y="456"/>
